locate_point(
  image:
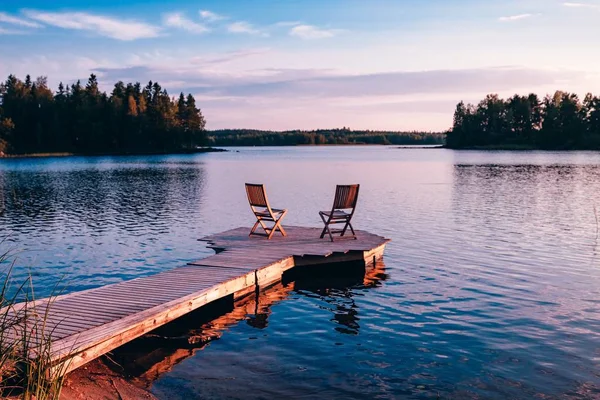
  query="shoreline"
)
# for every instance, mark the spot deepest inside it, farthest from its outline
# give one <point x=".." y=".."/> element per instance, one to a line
<point x="420" y="146"/>
<point x="510" y="147"/>
<point x="150" y="153"/>
<point x="211" y="149"/>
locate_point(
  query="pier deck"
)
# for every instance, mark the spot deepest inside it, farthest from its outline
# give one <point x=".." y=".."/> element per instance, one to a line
<point x="87" y="324"/>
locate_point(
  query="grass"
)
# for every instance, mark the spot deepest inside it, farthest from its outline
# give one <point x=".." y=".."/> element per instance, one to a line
<point x="27" y="370"/>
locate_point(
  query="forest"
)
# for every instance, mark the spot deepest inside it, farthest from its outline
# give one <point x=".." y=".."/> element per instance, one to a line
<point x="131" y="119"/>
<point x="249" y="137"/>
<point x="557" y="122"/>
<point x="81" y="119"/>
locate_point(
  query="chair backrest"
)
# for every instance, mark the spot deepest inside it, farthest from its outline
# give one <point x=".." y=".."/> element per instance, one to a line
<point x="257" y="195"/>
<point x="346" y="196"/>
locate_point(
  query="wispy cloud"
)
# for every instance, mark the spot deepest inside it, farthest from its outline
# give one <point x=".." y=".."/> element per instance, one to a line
<point x="4" y="31"/>
<point x="227" y="57"/>
<point x="114" y="28"/>
<point x="582" y="5"/>
<point x="517" y="17"/>
<point x="312" y="32"/>
<point x="287" y="23"/>
<point x="327" y="84"/>
<point x="211" y="16"/>
<point x="10" y="19"/>
<point x="177" y="20"/>
<point x="245" y="27"/>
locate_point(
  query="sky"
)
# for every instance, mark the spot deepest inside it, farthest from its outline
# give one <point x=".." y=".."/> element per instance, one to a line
<point x="307" y="64"/>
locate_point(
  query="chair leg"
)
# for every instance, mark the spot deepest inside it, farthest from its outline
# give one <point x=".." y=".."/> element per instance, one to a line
<point x="278" y="224"/>
<point x="348" y="225"/>
<point x="275" y="228"/>
<point x="280" y="229"/>
<point x="326" y="228"/>
<point x="269" y="232"/>
<point x="254" y="228"/>
<point x="345" y="227"/>
<point x="265" y="227"/>
<point x="323" y="231"/>
<point x="352" y="229"/>
<point x="258" y="222"/>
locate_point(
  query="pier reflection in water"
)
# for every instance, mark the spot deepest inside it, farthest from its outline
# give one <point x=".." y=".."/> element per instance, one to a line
<point x="147" y="358"/>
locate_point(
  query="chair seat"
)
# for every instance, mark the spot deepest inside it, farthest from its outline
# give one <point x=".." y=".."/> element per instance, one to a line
<point x="337" y="214"/>
<point x="265" y="212"/>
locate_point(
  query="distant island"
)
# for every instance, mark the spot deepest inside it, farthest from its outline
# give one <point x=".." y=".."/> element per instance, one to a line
<point x="557" y="122"/>
<point x="251" y="137"/>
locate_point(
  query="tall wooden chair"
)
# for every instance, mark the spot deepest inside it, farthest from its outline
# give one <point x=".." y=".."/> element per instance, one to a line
<point x="342" y="211"/>
<point x="257" y="197"/>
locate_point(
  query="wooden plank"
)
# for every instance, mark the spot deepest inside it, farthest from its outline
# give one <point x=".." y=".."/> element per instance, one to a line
<point x="106" y="338"/>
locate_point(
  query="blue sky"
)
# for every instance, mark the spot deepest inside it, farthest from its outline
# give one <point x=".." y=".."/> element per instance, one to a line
<point x="266" y="64"/>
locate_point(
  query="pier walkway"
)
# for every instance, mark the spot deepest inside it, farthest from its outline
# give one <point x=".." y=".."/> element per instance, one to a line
<point x="85" y="325"/>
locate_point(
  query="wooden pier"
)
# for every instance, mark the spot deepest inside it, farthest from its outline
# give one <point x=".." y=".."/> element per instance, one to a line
<point x="85" y="325"/>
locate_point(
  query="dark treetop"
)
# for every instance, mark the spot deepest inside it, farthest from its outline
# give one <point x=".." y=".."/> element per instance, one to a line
<point x="82" y="119"/>
<point x="560" y="122"/>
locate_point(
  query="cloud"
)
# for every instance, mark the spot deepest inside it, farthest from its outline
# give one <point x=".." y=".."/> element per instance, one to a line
<point x="582" y="5"/>
<point x="119" y="29"/>
<point x="328" y="84"/>
<point x="225" y="58"/>
<point x="233" y="97"/>
<point x="516" y="17"/>
<point x="312" y="32"/>
<point x="9" y="19"/>
<point x="287" y="23"/>
<point x="4" y="31"/>
<point x="394" y="83"/>
<point x="211" y="16"/>
<point x="245" y="27"/>
<point x="177" y="20"/>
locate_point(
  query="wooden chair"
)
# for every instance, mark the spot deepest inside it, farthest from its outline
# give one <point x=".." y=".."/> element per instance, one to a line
<point x="257" y="197"/>
<point x="342" y="211"/>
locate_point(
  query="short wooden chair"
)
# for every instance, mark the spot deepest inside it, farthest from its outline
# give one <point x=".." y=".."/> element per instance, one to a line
<point x="342" y="211"/>
<point x="257" y="197"/>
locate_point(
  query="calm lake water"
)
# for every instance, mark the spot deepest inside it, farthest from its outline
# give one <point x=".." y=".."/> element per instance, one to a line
<point x="490" y="289"/>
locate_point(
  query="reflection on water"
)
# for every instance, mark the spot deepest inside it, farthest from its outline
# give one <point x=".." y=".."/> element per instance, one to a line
<point x="148" y="358"/>
<point x="491" y="287"/>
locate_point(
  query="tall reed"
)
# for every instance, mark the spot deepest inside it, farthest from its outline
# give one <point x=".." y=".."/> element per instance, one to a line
<point x="27" y="369"/>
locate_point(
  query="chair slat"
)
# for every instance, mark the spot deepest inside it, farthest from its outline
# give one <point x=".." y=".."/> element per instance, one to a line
<point x="345" y="196"/>
<point x="256" y="195"/>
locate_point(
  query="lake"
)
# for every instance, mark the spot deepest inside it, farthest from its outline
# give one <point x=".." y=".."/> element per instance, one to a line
<point x="490" y="287"/>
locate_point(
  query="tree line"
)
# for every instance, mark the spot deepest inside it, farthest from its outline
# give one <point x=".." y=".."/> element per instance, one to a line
<point x="82" y="119"/>
<point x="560" y="122"/>
<point x="252" y="137"/>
